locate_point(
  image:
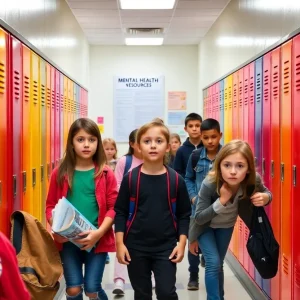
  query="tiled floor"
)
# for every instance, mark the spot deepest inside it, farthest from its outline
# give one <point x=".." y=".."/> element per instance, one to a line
<point x="233" y="288"/>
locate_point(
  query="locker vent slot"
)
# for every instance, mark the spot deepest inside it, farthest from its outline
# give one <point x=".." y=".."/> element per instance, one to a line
<point x="26" y="85"/>
<point x="2" y="78"/>
<point x="246" y="234"/>
<point x="35" y="92"/>
<point x="17" y="85"/>
<point x="285" y="264"/>
<point x="297" y="275"/>
<point x="48" y="97"/>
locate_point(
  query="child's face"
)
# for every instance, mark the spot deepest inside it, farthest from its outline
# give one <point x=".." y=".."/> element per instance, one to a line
<point x="234" y="169"/>
<point x="211" y="139"/>
<point x="193" y="129"/>
<point x="85" y="145"/>
<point x="154" y="145"/>
<point x="110" y="151"/>
<point x="175" y="144"/>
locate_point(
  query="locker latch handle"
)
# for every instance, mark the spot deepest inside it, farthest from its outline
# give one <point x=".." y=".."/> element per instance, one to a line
<point x="33" y="177"/>
<point x="15" y="185"/>
<point x="272" y="168"/>
<point x="282" y="171"/>
<point x="48" y="171"/>
<point x="294" y="175"/>
<point x="263" y="167"/>
<point x="42" y="173"/>
<point x="24" y="181"/>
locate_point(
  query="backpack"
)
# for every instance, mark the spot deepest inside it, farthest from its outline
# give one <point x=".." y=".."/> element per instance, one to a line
<point x="128" y="163"/>
<point x="262" y="246"/>
<point x="134" y="181"/>
<point x="195" y="156"/>
<point x="38" y="258"/>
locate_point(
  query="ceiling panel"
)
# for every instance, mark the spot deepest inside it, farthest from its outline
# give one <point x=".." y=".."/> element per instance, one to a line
<point x="104" y="23"/>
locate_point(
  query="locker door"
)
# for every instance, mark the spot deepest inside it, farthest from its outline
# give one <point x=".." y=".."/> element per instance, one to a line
<point x="217" y="104"/>
<point x="53" y="120"/>
<point x="61" y="130"/>
<point x="43" y="130"/>
<point x="26" y="171"/>
<point x="296" y="168"/>
<point x="221" y="109"/>
<point x="75" y="100"/>
<point x="255" y="130"/>
<point x="246" y="103"/>
<point x="275" y="160"/>
<point x="226" y="115"/>
<point x="286" y="170"/>
<point x="66" y="113"/>
<point x="251" y="102"/>
<point x="70" y="96"/>
<point x="235" y="105"/>
<point x="229" y="122"/>
<point x="35" y="136"/>
<point x="241" y="104"/>
<point x="16" y="121"/>
<point x="48" y="124"/>
<point x="5" y="202"/>
<point x="57" y="118"/>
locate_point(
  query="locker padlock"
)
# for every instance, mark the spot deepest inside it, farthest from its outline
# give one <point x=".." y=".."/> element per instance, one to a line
<point x="15" y="185"/>
<point x="294" y="175"/>
<point x="33" y="177"/>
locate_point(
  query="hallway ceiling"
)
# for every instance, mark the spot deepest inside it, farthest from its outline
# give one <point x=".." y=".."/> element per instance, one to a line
<point x="104" y="23"/>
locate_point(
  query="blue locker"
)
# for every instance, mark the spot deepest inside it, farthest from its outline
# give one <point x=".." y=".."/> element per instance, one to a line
<point x="222" y="109"/>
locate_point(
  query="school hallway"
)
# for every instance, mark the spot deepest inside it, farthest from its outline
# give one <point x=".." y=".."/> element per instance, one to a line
<point x="233" y="288"/>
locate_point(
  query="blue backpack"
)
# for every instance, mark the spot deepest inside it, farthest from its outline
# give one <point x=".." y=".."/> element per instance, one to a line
<point x="134" y="185"/>
<point x="128" y="163"/>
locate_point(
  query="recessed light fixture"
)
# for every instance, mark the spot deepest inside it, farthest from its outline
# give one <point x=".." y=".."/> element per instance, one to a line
<point x="144" y="41"/>
<point x="147" y="4"/>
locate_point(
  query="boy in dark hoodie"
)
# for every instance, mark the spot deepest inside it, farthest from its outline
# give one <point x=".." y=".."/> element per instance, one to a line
<point x="192" y="124"/>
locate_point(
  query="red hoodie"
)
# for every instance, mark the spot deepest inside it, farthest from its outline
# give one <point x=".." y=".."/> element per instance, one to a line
<point x="12" y="286"/>
<point x="106" y="195"/>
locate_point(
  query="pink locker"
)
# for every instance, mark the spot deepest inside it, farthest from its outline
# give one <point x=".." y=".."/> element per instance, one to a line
<point x="251" y="128"/>
<point x="241" y="104"/>
<point x="217" y="104"/>
<point x="57" y="118"/>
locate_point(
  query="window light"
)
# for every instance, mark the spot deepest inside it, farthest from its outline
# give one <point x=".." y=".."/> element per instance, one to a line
<point x="147" y="4"/>
<point x="144" y="41"/>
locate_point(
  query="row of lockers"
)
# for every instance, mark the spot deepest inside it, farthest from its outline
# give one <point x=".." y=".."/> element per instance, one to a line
<point x="259" y="103"/>
<point x="38" y="104"/>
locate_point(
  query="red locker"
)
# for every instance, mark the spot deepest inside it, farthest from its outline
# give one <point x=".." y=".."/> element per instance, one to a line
<point x="5" y="202"/>
<point x="57" y="117"/>
<point x="241" y="241"/>
<point x="286" y="170"/>
<point x="251" y="123"/>
<point x="246" y="103"/>
<point x="235" y="108"/>
<point x="296" y="168"/>
<point x="241" y="104"/>
<point x="52" y="122"/>
<point x="16" y="121"/>
<point x="275" y="160"/>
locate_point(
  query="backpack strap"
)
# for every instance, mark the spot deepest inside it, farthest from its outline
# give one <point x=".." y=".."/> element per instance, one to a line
<point x="172" y="181"/>
<point x="134" y="187"/>
<point x="195" y="158"/>
<point x="128" y="163"/>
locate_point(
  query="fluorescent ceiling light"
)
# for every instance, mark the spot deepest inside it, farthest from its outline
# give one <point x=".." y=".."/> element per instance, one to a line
<point x="267" y="5"/>
<point x="147" y="4"/>
<point x="227" y="41"/>
<point x="144" y="41"/>
<point x="61" y="42"/>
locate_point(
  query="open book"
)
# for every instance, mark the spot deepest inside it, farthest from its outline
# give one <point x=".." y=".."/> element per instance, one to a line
<point x="69" y="222"/>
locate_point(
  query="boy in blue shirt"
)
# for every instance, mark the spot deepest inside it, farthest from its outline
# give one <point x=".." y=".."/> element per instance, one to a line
<point x="211" y="136"/>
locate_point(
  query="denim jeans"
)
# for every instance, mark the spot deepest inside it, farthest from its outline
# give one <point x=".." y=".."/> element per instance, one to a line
<point x="73" y="259"/>
<point x="214" y="243"/>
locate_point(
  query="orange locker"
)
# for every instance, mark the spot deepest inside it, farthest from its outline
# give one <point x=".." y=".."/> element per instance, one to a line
<point x="5" y="203"/>
<point x="53" y="119"/>
<point x="286" y="170"/>
<point x="48" y="124"/>
<point x="26" y="178"/>
<point x="275" y="160"/>
<point x="226" y="115"/>
<point x="35" y="140"/>
<point x="229" y="121"/>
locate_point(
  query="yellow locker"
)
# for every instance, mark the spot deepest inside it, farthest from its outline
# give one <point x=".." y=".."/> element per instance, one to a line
<point x="35" y="139"/>
<point x="66" y="114"/>
<point x="226" y="135"/>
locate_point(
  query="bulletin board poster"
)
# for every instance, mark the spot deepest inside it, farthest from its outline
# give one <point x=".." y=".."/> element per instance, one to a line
<point x="177" y="100"/>
<point x="137" y="100"/>
<point x="176" y="117"/>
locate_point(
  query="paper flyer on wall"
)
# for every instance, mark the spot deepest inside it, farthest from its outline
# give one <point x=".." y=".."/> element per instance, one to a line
<point x="69" y="222"/>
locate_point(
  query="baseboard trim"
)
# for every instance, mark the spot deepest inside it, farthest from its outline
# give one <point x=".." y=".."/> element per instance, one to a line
<point x="249" y="285"/>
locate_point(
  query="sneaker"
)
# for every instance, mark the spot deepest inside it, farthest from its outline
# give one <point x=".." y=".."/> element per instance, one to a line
<point x="202" y="261"/>
<point x="119" y="287"/>
<point x="153" y="281"/>
<point x="107" y="259"/>
<point x="193" y="284"/>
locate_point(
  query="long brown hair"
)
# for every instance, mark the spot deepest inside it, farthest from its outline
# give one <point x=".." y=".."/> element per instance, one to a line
<point x="235" y="146"/>
<point x="68" y="164"/>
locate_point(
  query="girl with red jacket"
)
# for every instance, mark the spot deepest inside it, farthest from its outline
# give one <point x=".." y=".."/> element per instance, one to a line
<point x="91" y="187"/>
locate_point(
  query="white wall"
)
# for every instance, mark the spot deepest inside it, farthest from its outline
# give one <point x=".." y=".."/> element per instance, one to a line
<point x="51" y="27"/>
<point x="179" y="65"/>
<point x="252" y="26"/>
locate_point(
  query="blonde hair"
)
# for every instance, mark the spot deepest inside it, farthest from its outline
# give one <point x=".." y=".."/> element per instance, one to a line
<point x="235" y="146"/>
<point x="175" y="136"/>
<point x="158" y="120"/>
<point x="113" y="142"/>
